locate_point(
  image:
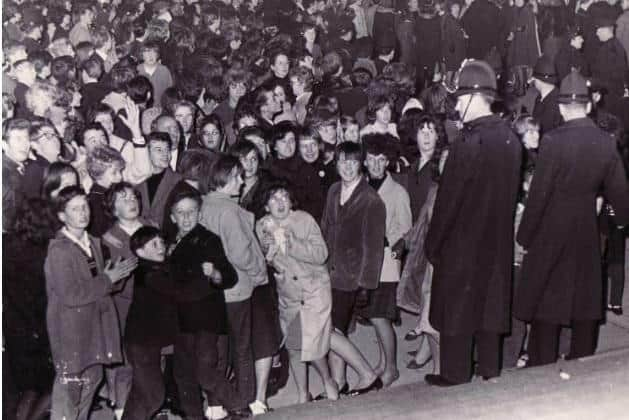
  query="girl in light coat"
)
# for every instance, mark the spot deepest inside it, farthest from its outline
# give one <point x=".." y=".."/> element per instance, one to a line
<point x="295" y="248"/>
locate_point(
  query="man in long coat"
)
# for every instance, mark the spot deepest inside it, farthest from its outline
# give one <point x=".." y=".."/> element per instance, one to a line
<point x="470" y="238"/>
<point x="561" y="273"/>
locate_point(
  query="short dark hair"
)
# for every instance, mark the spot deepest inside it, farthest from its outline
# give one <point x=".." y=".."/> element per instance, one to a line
<point x="93" y="67"/>
<point x="80" y="138"/>
<point x="279" y="185"/>
<point x="14" y="124"/>
<point x="65" y="196"/>
<point x="143" y="236"/>
<point x="140" y="89"/>
<point x="242" y="148"/>
<point x="380" y="144"/>
<point x="183" y="195"/>
<point x="40" y="59"/>
<point x="52" y="177"/>
<point x="222" y="170"/>
<point x="159" y="136"/>
<point x="351" y="151"/>
<point x="280" y="130"/>
<point x="109" y="203"/>
<point x="196" y="165"/>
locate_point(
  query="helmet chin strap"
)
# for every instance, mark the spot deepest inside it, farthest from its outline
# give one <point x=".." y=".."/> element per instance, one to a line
<point x="469" y="102"/>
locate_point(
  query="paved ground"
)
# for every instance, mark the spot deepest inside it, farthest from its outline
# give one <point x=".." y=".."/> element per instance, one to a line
<point x="597" y="383"/>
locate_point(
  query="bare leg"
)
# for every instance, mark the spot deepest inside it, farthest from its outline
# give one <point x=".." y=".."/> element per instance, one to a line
<point x="300" y="373"/>
<point x="346" y="350"/>
<point x="388" y="343"/>
<point x="433" y="342"/>
<point x="337" y="368"/>
<point x="263" y="369"/>
<point x="331" y="388"/>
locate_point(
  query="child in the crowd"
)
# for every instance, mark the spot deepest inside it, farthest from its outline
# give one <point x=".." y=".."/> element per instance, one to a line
<point x="152" y="323"/>
<point x="200" y="270"/>
<point x="81" y="317"/>
<point x="121" y="203"/>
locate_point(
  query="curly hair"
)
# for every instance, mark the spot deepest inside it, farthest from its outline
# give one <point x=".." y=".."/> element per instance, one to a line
<point x="102" y="159"/>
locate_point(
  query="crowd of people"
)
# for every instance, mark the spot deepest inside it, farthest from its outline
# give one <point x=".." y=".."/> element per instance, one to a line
<point x="191" y="187"/>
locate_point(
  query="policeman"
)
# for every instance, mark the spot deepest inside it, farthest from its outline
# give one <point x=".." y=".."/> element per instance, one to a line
<point x="470" y="238"/>
<point x="544" y="79"/>
<point x="561" y="272"/>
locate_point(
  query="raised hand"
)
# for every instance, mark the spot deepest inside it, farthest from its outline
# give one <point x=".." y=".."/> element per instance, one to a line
<point x="132" y="119"/>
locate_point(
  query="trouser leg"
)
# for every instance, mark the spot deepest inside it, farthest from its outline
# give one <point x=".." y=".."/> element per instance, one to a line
<point x="147" y="392"/>
<point x="239" y="325"/>
<point x="211" y="379"/>
<point x="456" y="358"/>
<point x="185" y="365"/>
<point x="584" y="338"/>
<point x="543" y="343"/>
<point x="72" y="394"/>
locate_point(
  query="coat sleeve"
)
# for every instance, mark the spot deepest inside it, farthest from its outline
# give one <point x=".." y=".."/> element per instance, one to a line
<point x="451" y="193"/>
<point x="311" y="249"/>
<point x="541" y="190"/>
<point x="616" y="190"/>
<point x="241" y="248"/>
<point x="373" y="233"/>
<point x="216" y="255"/>
<point x="402" y="217"/>
<point x="73" y="286"/>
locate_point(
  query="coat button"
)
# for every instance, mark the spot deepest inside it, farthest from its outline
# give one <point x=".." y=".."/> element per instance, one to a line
<point x="295" y="278"/>
<point x="110" y="355"/>
<point x="302" y="302"/>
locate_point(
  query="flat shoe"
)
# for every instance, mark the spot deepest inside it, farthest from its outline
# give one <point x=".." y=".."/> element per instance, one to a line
<point x="413" y="365"/>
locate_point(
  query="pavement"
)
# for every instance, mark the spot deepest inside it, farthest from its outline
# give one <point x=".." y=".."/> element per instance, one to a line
<point x="594" y="388"/>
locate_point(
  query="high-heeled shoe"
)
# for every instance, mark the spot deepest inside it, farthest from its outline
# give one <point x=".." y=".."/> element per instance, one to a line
<point x="343" y="391"/>
<point x="616" y="309"/>
<point x="413" y="365"/>
<point x="376" y="385"/>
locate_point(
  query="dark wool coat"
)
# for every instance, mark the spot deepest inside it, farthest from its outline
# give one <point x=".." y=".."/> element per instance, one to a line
<point x="152" y="318"/>
<point x="452" y="42"/>
<point x="470" y="239"/>
<point x="428" y="35"/>
<point x="81" y="317"/>
<point x="561" y="273"/>
<point x="200" y="305"/>
<point x="354" y="234"/>
<point x="482" y="23"/>
<point x="153" y="211"/>
<point x="569" y="58"/>
<point x="524" y="49"/>
<point x="306" y="184"/>
<point x="546" y="111"/>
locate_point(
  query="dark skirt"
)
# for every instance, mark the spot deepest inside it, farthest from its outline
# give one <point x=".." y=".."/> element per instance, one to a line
<point x="343" y="304"/>
<point x="266" y="334"/>
<point x="382" y="303"/>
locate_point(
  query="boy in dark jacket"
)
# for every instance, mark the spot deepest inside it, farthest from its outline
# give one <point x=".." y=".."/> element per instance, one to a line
<point x="151" y="323"/>
<point x="200" y="271"/>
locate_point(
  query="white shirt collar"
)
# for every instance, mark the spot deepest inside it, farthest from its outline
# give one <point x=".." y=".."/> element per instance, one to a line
<point x="347" y="191"/>
<point x="83" y="242"/>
